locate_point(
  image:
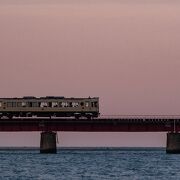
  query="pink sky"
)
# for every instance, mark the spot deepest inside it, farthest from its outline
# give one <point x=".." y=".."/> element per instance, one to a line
<point x="125" y="52"/>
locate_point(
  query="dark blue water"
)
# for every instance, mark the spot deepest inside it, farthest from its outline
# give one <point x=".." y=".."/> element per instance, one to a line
<point x="90" y="164"/>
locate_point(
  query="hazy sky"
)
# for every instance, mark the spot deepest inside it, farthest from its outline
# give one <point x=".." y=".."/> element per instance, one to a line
<point x="127" y="52"/>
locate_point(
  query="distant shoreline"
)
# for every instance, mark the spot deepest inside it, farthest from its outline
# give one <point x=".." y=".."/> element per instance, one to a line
<point x="87" y="148"/>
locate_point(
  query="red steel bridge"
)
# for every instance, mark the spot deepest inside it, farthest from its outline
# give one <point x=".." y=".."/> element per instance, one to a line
<point x="101" y="124"/>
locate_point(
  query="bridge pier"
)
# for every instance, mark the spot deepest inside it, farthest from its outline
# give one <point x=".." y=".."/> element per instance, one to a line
<point x="48" y="142"/>
<point x="173" y="143"/>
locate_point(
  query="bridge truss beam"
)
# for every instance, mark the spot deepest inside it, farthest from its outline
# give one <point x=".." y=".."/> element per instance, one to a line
<point x="90" y="125"/>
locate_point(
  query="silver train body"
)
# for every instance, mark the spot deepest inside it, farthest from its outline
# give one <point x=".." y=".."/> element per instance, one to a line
<point x="49" y="106"/>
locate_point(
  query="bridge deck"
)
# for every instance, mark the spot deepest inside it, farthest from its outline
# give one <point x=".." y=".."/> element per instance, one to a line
<point x="108" y="124"/>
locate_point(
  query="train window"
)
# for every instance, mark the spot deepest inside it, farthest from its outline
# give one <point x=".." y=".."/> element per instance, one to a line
<point x="29" y="104"/>
<point x="0" y="104"/>
<point x="87" y="104"/>
<point x="95" y="103"/>
<point x="64" y="104"/>
<point x="70" y="104"/>
<point x="92" y="104"/>
<point x="9" y="104"/>
<point x="60" y="104"/>
<point x="75" y="104"/>
<point x="19" y="104"/>
<point x="23" y="104"/>
<point x="82" y="103"/>
<point x="13" y="104"/>
<point x="54" y="104"/>
<point x="34" y="104"/>
<point x="44" y="104"/>
<point x="50" y="104"/>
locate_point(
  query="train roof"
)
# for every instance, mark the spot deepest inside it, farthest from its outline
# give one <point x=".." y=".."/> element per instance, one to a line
<point x="47" y="97"/>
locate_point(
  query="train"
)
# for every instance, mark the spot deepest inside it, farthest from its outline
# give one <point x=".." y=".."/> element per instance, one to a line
<point x="49" y="106"/>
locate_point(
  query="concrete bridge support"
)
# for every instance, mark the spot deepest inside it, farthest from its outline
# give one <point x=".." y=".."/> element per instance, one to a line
<point x="48" y="142"/>
<point x="173" y="143"/>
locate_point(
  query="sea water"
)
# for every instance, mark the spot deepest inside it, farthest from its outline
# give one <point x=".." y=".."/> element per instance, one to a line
<point x="89" y="163"/>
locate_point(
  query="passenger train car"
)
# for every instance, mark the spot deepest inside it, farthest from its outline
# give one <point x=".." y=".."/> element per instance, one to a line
<point x="49" y="106"/>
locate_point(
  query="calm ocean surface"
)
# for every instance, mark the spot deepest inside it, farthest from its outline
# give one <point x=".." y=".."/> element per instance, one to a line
<point x="90" y="164"/>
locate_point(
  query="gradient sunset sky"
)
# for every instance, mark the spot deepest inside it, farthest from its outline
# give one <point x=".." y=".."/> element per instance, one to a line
<point x="127" y="52"/>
